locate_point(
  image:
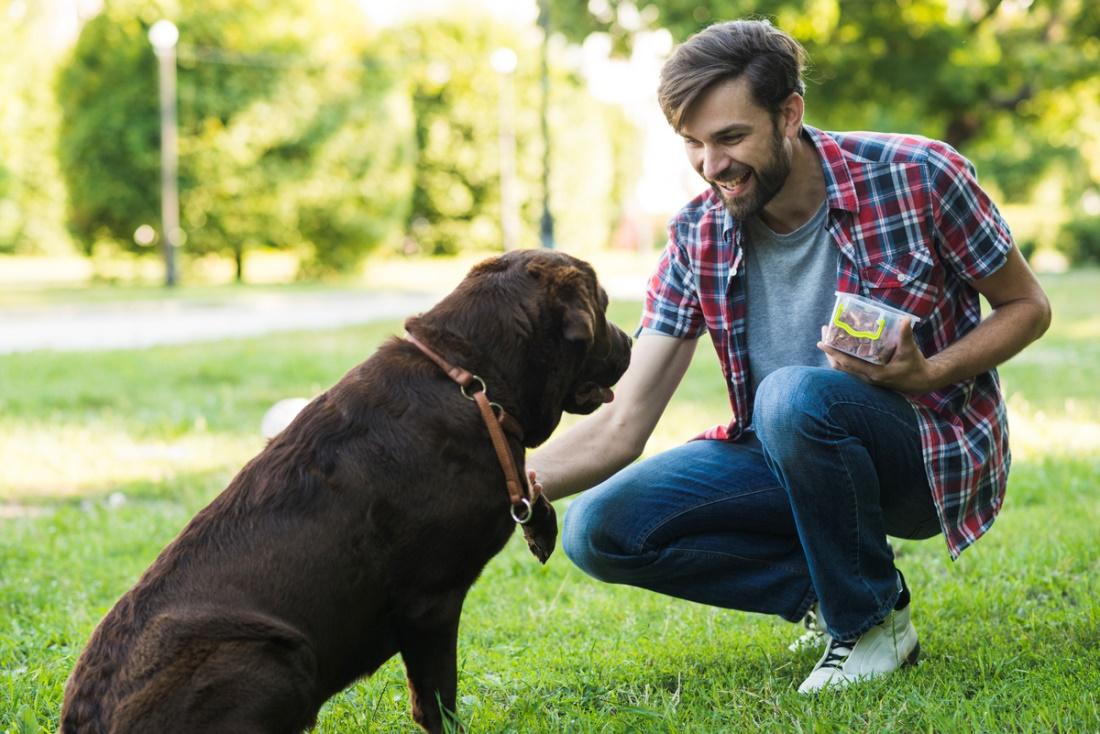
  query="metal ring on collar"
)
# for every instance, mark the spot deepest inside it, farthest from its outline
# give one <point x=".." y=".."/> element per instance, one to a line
<point x="526" y="518"/>
<point x="480" y="382"/>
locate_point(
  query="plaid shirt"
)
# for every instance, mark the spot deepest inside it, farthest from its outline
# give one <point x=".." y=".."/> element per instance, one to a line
<point x="914" y="229"/>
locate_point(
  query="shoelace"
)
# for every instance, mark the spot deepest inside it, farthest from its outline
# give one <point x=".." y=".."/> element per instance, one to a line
<point x="838" y="652"/>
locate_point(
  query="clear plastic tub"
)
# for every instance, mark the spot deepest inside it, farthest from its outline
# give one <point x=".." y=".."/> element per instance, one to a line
<point x="864" y="328"/>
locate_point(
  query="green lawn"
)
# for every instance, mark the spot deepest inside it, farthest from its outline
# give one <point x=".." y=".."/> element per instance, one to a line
<point x="104" y="457"/>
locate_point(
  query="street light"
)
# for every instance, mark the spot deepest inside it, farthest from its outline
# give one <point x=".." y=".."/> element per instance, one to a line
<point x="503" y="61"/>
<point x="164" y="35"/>
<point x="546" y="225"/>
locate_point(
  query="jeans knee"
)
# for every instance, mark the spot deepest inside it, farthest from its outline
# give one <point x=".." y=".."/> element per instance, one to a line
<point x="574" y="535"/>
<point x="787" y="400"/>
<point x="587" y="538"/>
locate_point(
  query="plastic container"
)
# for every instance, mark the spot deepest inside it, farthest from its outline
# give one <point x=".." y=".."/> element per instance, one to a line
<point x="864" y="328"/>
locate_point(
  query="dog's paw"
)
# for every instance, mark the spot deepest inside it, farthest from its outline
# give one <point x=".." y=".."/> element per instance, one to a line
<point x="541" y="531"/>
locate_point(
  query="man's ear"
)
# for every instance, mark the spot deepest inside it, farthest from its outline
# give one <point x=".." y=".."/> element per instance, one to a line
<point x="790" y="115"/>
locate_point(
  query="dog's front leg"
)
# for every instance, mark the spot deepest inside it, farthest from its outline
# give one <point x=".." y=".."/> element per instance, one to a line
<point x="429" y="652"/>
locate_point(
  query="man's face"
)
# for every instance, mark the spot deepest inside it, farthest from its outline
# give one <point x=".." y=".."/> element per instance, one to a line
<point x="737" y="147"/>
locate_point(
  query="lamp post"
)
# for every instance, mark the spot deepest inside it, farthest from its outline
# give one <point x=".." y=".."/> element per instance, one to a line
<point x="164" y="35"/>
<point x="503" y="61"/>
<point x="546" y="225"/>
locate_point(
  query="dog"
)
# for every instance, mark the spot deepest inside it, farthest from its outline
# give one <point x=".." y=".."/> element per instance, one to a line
<point x="357" y="531"/>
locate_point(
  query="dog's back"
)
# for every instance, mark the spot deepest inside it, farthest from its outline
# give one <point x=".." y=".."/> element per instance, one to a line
<point x="274" y="596"/>
<point x="194" y="616"/>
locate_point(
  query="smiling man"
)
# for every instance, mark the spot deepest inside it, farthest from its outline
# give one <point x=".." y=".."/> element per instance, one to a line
<point x="786" y="510"/>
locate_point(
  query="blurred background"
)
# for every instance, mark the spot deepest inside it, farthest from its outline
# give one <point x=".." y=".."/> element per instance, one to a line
<point x="316" y="138"/>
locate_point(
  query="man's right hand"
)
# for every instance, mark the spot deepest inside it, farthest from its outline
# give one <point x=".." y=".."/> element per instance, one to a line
<point x="616" y="434"/>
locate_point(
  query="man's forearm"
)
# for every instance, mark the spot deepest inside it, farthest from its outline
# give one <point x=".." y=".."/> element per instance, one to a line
<point x="616" y="434"/>
<point x="583" y="457"/>
<point x="1002" y="335"/>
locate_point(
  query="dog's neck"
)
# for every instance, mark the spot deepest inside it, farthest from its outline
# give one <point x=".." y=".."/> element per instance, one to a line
<point x="488" y="342"/>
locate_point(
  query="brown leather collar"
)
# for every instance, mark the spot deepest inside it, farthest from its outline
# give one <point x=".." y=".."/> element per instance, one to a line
<point x="519" y="494"/>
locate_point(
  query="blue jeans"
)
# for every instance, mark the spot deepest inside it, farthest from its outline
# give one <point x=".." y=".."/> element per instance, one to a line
<point x="796" y="511"/>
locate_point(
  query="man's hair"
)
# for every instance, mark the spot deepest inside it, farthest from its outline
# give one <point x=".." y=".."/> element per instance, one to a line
<point x="770" y="59"/>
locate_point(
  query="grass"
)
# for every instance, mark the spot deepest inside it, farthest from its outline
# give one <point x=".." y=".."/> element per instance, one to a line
<point x="104" y="456"/>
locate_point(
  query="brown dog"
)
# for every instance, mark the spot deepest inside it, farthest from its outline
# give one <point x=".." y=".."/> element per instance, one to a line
<point x="356" y="533"/>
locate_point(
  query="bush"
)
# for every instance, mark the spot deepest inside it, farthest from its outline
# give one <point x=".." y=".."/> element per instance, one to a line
<point x="1079" y="240"/>
<point x="291" y="135"/>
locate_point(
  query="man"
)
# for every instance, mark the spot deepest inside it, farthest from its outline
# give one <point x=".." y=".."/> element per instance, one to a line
<point x="787" y="509"/>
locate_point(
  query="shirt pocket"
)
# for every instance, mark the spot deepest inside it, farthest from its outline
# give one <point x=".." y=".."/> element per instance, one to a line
<point x="909" y="280"/>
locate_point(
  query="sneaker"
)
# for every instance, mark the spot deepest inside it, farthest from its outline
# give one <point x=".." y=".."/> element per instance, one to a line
<point x="882" y="649"/>
<point x="814" y="636"/>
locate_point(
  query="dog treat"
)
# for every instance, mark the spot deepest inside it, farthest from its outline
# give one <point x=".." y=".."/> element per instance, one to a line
<point x="864" y="328"/>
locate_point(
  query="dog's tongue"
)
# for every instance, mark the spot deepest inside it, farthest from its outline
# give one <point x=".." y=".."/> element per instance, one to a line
<point x="593" y="393"/>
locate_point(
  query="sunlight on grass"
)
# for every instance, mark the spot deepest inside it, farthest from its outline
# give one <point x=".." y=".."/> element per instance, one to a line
<point x="1084" y="329"/>
<point x="1036" y="433"/>
<point x="69" y="460"/>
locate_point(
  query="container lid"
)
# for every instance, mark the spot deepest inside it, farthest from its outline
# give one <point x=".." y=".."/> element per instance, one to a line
<point x="864" y="300"/>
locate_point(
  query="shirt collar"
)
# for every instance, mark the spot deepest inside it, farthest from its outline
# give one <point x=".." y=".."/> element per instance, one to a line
<point x="840" y="192"/>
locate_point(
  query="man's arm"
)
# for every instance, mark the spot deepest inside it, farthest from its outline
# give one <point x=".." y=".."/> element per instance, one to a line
<point x="616" y="434"/>
<point x="1021" y="314"/>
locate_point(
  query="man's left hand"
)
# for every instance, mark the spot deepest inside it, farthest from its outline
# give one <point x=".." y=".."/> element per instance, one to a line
<point x="905" y="370"/>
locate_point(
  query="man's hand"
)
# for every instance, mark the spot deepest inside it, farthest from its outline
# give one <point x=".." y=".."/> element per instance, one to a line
<point x="905" y="370"/>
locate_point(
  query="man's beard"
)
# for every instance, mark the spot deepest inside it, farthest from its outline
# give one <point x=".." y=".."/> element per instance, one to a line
<point x="769" y="180"/>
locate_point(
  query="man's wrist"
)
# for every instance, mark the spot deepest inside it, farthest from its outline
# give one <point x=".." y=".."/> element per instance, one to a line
<point x="936" y="374"/>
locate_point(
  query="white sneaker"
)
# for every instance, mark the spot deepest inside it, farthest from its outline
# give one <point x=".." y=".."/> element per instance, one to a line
<point x="882" y="649"/>
<point x="814" y="636"/>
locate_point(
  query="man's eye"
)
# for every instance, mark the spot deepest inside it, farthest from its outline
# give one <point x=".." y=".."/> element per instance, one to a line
<point x="731" y="139"/>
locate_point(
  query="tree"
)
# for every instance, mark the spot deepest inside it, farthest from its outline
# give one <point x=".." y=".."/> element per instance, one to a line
<point x="31" y="189"/>
<point x="456" y="100"/>
<point x="291" y="132"/>
<point x="1011" y="83"/>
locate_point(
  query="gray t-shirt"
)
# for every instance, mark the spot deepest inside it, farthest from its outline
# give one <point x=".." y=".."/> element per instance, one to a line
<point x="790" y="284"/>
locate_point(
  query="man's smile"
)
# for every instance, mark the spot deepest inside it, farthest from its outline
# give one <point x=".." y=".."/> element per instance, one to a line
<point x="734" y="187"/>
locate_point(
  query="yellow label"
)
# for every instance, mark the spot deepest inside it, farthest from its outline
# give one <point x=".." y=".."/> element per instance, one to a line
<point x="872" y="335"/>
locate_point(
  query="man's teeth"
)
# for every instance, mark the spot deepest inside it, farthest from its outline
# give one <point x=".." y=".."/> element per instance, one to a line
<point x="734" y="183"/>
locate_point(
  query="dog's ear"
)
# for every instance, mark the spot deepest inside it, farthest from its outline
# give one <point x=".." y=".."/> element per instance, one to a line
<point x="579" y="324"/>
<point x="568" y="287"/>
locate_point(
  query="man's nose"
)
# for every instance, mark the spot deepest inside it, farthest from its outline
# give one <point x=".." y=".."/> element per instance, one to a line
<point x="715" y="161"/>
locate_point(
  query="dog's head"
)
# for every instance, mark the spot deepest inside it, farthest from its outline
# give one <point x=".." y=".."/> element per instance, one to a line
<point x="575" y="352"/>
<point x="535" y="321"/>
<point x="534" y="324"/>
<point x="597" y="351"/>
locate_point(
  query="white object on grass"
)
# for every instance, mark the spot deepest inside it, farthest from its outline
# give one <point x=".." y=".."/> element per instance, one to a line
<point x="279" y="416"/>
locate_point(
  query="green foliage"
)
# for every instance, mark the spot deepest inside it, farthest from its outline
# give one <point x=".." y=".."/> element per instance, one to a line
<point x="110" y="133"/>
<point x="31" y="192"/>
<point x="291" y="135"/>
<point x="456" y="96"/>
<point x="457" y="100"/>
<point x="1079" y="240"/>
<point x="1012" y="85"/>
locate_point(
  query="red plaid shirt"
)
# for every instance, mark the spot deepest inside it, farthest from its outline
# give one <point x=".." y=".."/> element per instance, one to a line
<point x="914" y="229"/>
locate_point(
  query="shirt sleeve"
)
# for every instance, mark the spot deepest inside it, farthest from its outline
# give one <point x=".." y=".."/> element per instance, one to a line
<point x="672" y="299"/>
<point x="974" y="238"/>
